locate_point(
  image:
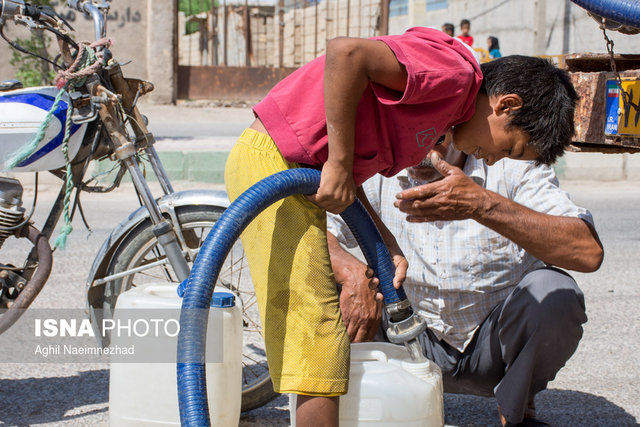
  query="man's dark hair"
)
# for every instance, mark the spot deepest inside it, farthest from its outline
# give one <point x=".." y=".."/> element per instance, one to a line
<point x="548" y="96"/>
<point x="465" y="22"/>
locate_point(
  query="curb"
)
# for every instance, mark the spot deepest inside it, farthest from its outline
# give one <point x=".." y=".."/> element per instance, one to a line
<point x="208" y="166"/>
<point x="195" y="166"/>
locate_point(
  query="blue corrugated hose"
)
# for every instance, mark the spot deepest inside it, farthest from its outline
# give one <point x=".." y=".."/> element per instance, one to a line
<point x="192" y="388"/>
<point x="626" y="12"/>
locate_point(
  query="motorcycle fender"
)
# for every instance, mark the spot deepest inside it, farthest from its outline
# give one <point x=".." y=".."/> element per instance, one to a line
<point x="95" y="293"/>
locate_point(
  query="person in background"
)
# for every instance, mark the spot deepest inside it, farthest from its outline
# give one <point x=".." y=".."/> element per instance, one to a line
<point x="493" y="46"/>
<point x="465" y="27"/>
<point x="481" y="244"/>
<point x="449" y="29"/>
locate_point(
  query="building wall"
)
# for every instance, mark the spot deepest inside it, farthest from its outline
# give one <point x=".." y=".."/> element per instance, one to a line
<point x="354" y="18"/>
<point x="566" y="27"/>
<point x="144" y="31"/>
<point x="305" y="31"/>
<point x="143" y="35"/>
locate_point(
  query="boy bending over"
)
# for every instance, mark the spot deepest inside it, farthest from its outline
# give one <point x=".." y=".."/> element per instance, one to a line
<point x="369" y="106"/>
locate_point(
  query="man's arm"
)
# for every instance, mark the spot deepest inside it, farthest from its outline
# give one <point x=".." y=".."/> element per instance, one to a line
<point x="566" y="242"/>
<point x="397" y="256"/>
<point x="360" y="303"/>
<point x="350" y="65"/>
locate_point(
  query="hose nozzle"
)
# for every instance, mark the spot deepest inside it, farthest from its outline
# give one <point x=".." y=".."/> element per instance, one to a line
<point x="404" y="327"/>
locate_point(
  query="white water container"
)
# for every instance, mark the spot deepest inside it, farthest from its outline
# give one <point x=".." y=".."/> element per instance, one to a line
<point x="386" y="389"/>
<point x="146" y="394"/>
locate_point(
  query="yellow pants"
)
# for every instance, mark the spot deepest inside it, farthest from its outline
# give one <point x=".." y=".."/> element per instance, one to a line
<point x="286" y="247"/>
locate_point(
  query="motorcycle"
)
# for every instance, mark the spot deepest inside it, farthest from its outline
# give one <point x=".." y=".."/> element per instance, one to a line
<point x="95" y="116"/>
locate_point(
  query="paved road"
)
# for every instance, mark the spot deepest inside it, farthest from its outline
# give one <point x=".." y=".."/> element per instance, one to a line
<point x="599" y="386"/>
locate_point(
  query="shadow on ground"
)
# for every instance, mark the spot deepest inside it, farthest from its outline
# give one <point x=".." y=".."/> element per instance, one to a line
<point x="56" y="400"/>
<point x="556" y="407"/>
<point x="46" y="400"/>
<point x="274" y="413"/>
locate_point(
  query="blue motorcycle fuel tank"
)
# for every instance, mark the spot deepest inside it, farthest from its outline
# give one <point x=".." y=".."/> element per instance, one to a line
<point x="22" y="112"/>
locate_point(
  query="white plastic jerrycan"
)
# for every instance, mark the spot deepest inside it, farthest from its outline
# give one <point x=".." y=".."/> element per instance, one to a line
<point x="146" y="394"/>
<point x="386" y="389"/>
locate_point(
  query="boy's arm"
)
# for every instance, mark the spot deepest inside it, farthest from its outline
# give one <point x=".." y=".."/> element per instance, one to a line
<point x="350" y="64"/>
<point x="360" y="303"/>
<point x="397" y="256"/>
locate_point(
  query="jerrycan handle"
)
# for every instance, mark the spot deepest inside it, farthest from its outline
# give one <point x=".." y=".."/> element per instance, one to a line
<point x="364" y="355"/>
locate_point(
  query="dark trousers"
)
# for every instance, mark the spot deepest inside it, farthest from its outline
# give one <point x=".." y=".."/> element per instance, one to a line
<point x="520" y="346"/>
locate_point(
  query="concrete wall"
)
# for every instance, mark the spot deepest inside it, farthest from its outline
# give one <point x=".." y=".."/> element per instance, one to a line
<point x="518" y="24"/>
<point x="305" y="32"/>
<point x="142" y="32"/>
<point x="305" y="37"/>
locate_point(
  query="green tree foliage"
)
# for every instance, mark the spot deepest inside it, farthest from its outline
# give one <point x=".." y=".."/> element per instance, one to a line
<point x="32" y="71"/>
<point x="193" y="7"/>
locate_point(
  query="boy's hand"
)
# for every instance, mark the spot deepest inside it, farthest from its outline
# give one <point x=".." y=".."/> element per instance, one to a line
<point x="397" y="256"/>
<point x="401" y="264"/>
<point x="337" y="189"/>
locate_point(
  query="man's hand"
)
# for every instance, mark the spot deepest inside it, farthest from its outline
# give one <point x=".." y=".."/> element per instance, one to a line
<point x="337" y="189"/>
<point x="360" y="302"/>
<point x="455" y="197"/>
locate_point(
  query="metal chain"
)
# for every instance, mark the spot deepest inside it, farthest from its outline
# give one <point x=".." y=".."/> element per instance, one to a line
<point x="626" y="97"/>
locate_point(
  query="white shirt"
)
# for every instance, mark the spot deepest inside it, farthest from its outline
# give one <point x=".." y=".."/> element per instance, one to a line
<point x="460" y="270"/>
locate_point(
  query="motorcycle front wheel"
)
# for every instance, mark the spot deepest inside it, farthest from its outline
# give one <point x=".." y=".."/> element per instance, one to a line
<point x="141" y="248"/>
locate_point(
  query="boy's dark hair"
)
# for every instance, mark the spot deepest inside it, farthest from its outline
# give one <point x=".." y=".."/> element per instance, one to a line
<point x="448" y="26"/>
<point x="465" y="22"/>
<point x="548" y="96"/>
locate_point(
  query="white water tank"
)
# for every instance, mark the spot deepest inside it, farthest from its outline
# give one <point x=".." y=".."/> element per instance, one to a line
<point x="386" y="389"/>
<point x="146" y="394"/>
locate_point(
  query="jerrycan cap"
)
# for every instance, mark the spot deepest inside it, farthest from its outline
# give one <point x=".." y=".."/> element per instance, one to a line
<point x="223" y="300"/>
<point x="182" y="288"/>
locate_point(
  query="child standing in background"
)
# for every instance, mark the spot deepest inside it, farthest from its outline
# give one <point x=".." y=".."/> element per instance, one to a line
<point x="448" y="28"/>
<point x="465" y="27"/>
<point x="493" y="46"/>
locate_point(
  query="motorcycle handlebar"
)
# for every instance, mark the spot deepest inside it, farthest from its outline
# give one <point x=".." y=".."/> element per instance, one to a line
<point x="10" y="8"/>
<point x="95" y="12"/>
<point x="20" y="10"/>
